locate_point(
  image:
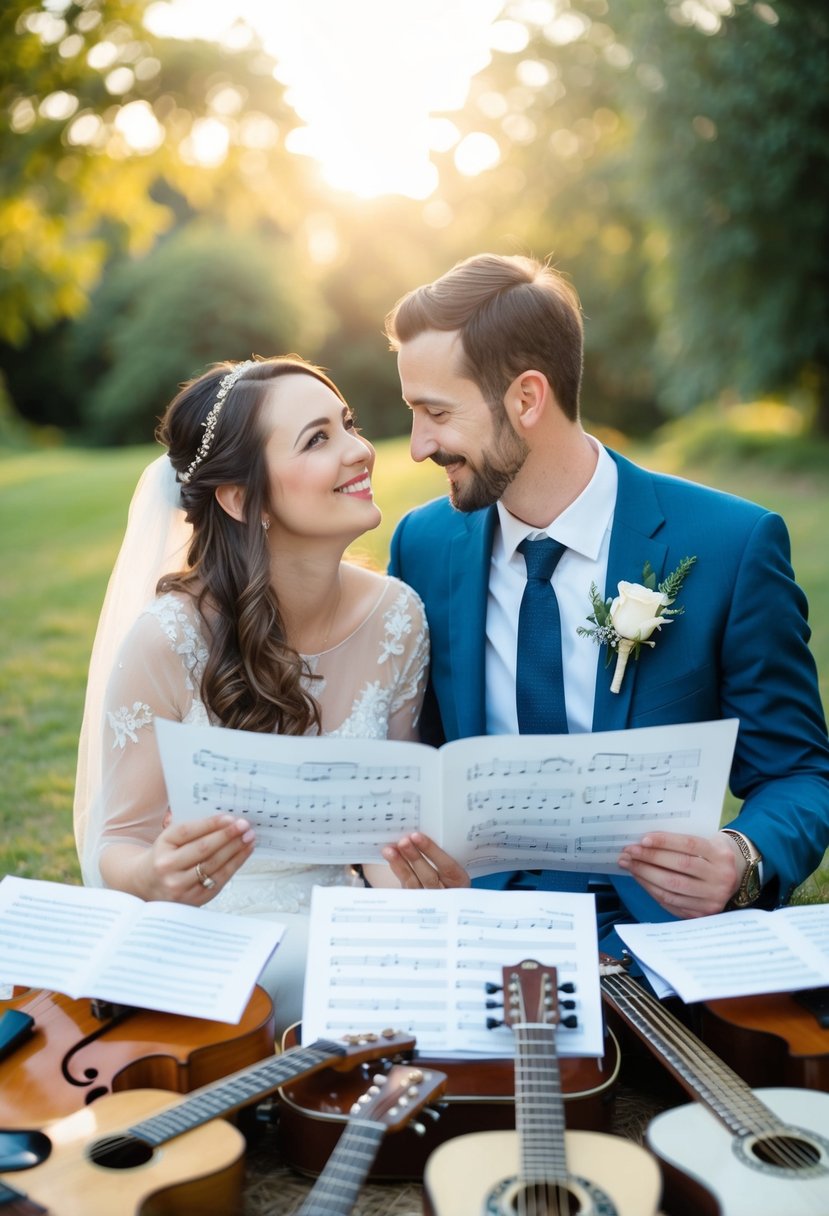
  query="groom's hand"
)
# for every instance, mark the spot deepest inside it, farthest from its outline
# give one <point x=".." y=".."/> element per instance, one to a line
<point x="688" y="875"/>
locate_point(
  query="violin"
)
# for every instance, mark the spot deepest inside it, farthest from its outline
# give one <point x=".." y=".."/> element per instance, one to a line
<point x="773" y="1039"/>
<point x="479" y="1096"/>
<point x="79" y="1050"/>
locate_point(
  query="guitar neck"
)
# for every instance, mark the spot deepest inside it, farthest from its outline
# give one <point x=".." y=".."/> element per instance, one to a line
<point x="699" y="1071"/>
<point x="233" y="1092"/>
<point x="539" y="1106"/>
<point x="335" y="1191"/>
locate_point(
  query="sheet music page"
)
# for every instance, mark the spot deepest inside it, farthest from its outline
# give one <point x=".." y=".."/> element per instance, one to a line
<point x="571" y="802"/>
<point x="740" y="953"/>
<point x="418" y="961"/>
<point x="310" y="799"/>
<point x="554" y="802"/>
<point x="95" y="942"/>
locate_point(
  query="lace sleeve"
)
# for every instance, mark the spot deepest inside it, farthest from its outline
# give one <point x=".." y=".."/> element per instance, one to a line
<point x="150" y="680"/>
<point x="413" y="667"/>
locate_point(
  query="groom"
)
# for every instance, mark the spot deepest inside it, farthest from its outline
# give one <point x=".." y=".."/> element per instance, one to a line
<point x="490" y="359"/>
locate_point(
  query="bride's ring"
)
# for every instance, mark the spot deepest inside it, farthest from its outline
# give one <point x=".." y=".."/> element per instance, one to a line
<point x="206" y="881"/>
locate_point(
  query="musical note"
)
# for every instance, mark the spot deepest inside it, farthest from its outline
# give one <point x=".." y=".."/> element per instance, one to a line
<point x="519" y="768"/>
<point x="639" y="793"/>
<point x="310" y="771"/>
<point x="623" y="762"/>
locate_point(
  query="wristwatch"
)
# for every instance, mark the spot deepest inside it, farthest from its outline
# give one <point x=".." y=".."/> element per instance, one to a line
<point x="749" y="889"/>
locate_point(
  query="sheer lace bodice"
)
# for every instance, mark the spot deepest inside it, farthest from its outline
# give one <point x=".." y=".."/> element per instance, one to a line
<point x="368" y="686"/>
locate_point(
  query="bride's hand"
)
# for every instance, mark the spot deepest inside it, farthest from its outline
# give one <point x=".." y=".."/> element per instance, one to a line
<point x="416" y="861"/>
<point x="189" y="863"/>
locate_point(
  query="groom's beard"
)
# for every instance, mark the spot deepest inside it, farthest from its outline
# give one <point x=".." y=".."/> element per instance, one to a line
<point x="487" y="480"/>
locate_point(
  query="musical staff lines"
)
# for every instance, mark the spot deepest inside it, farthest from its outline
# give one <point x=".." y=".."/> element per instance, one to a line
<point x="338" y="771"/>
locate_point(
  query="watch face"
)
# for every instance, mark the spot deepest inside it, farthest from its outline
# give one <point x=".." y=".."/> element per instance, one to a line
<point x="751" y="883"/>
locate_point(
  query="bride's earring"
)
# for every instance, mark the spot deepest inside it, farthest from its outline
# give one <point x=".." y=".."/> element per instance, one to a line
<point x="266" y="523"/>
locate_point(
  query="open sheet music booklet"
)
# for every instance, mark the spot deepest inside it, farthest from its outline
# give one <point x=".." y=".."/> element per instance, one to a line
<point x="419" y="961"/>
<point x="500" y="802"/>
<point x="97" y="943"/>
<point x="740" y="953"/>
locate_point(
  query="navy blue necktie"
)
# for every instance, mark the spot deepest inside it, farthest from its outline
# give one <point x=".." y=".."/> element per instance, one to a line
<point x="539" y="680"/>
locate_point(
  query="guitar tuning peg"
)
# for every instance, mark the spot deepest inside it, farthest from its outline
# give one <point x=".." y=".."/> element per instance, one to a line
<point x="490" y="987"/>
<point x="418" y="1129"/>
<point x="492" y="1023"/>
<point x="568" y="987"/>
<point x="493" y="1004"/>
<point x="571" y="1021"/>
<point x="567" y="1004"/>
<point x="432" y="1113"/>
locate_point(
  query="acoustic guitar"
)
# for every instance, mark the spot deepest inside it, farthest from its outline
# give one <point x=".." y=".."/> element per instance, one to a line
<point x="479" y="1096"/>
<point x="772" y="1039"/>
<point x="79" y="1050"/>
<point x="539" y="1169"/>
<point x="389" y="1105"/>
<point x="735" y="1151"/>
<point x="151" y="1152"/>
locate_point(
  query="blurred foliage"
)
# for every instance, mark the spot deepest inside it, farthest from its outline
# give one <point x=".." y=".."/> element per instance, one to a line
<point x="669" y="156"/>
<point x="201" y="296"/>
<point x="100" y="114"/>
<point x="732" y="157"/>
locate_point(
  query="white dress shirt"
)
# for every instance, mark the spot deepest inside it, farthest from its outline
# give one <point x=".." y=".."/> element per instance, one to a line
<point x="584" y="527"/>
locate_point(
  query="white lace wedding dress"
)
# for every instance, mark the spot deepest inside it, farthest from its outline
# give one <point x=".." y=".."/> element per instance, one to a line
<point x="370" y="686"/>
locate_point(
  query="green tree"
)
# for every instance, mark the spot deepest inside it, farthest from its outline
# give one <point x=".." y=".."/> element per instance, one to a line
<point x="732" y="153"/>
<point x="202" y="295"/>
<point x="110" y="133"/>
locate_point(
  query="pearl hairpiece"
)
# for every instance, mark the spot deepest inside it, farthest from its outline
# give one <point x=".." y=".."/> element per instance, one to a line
<point x="225" y="385"/>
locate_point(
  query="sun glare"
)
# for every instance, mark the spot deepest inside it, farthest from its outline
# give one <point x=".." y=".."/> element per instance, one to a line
<point x="365" y="78"/>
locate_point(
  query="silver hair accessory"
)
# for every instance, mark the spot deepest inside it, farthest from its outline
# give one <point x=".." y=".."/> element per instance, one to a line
<point x="225" y="385"/>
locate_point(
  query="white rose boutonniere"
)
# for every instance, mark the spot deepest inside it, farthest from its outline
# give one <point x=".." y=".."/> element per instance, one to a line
<point x="625" y="624"/>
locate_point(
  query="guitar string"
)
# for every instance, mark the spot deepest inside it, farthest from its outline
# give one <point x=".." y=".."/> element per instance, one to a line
<point x="724" y="1084"/>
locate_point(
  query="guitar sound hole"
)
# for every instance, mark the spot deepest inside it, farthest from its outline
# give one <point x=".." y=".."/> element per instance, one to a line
<point x="786" y="1152"/>
<point x="545" y="1199"/>
<point x="120" y="1153"/>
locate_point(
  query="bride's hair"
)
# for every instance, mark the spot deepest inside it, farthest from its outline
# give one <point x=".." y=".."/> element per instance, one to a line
<point x="253" y="680"/>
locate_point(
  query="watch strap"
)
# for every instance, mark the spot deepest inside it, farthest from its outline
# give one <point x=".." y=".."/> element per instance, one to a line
<point x="749" y="888"/>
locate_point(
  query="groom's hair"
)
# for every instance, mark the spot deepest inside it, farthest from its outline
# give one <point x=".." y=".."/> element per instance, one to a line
<point x="513" y="314"/>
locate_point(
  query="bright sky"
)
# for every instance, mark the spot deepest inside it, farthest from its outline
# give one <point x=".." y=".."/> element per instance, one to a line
<point x="366" y="78"/>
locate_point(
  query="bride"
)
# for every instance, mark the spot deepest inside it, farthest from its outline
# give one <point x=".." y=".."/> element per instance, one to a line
<point x="231" y="604"/>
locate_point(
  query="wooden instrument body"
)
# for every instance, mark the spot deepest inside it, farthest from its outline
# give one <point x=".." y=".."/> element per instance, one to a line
<point x="462" y="1174"/>
<point x="155" y="1153"/>
<point x="200" y="1171"/>
<point x="59" y="1069"/>
<point x="479" y="1097"/>
<point x="769" y="1040"/>
<point x="710" y="1172"/>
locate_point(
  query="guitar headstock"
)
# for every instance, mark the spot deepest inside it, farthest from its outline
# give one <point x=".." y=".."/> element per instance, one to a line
<point x="373" y="1045"/>
<point x="531" y="995"/>
<point x="395" y="1098"/>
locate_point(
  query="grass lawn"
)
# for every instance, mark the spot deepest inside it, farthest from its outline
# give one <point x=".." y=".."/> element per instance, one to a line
<point x="62" y="514"/>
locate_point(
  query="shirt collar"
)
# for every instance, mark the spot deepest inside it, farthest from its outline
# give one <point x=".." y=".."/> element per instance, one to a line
<point x="582" y="525"/>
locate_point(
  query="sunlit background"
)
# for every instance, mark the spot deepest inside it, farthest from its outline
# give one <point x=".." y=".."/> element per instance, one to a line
<point x="208" y="178"/>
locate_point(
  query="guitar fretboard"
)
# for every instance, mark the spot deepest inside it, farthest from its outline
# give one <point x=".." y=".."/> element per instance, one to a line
<point x="703" y="1074"/>
<point x="235" y="1091"/>
<point x="539" y="1106"/>
<point x="335" y="1191"/>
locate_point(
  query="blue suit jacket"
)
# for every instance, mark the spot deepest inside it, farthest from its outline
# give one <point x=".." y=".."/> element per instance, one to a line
<point x="740" y="650"/>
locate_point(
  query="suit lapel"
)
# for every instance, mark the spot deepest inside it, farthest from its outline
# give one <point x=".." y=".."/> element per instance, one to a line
<point x="469" y="558"/>
<point x="636" y="519"/>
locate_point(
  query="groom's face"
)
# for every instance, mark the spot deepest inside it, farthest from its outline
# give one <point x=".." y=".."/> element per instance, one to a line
<point x="453" y="425"/>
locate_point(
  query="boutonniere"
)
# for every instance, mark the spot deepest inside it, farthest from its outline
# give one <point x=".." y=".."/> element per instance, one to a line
<point x="625" y="623"/>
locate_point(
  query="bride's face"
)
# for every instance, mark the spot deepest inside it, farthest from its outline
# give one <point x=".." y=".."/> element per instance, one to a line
<point x="319" y="467"/>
